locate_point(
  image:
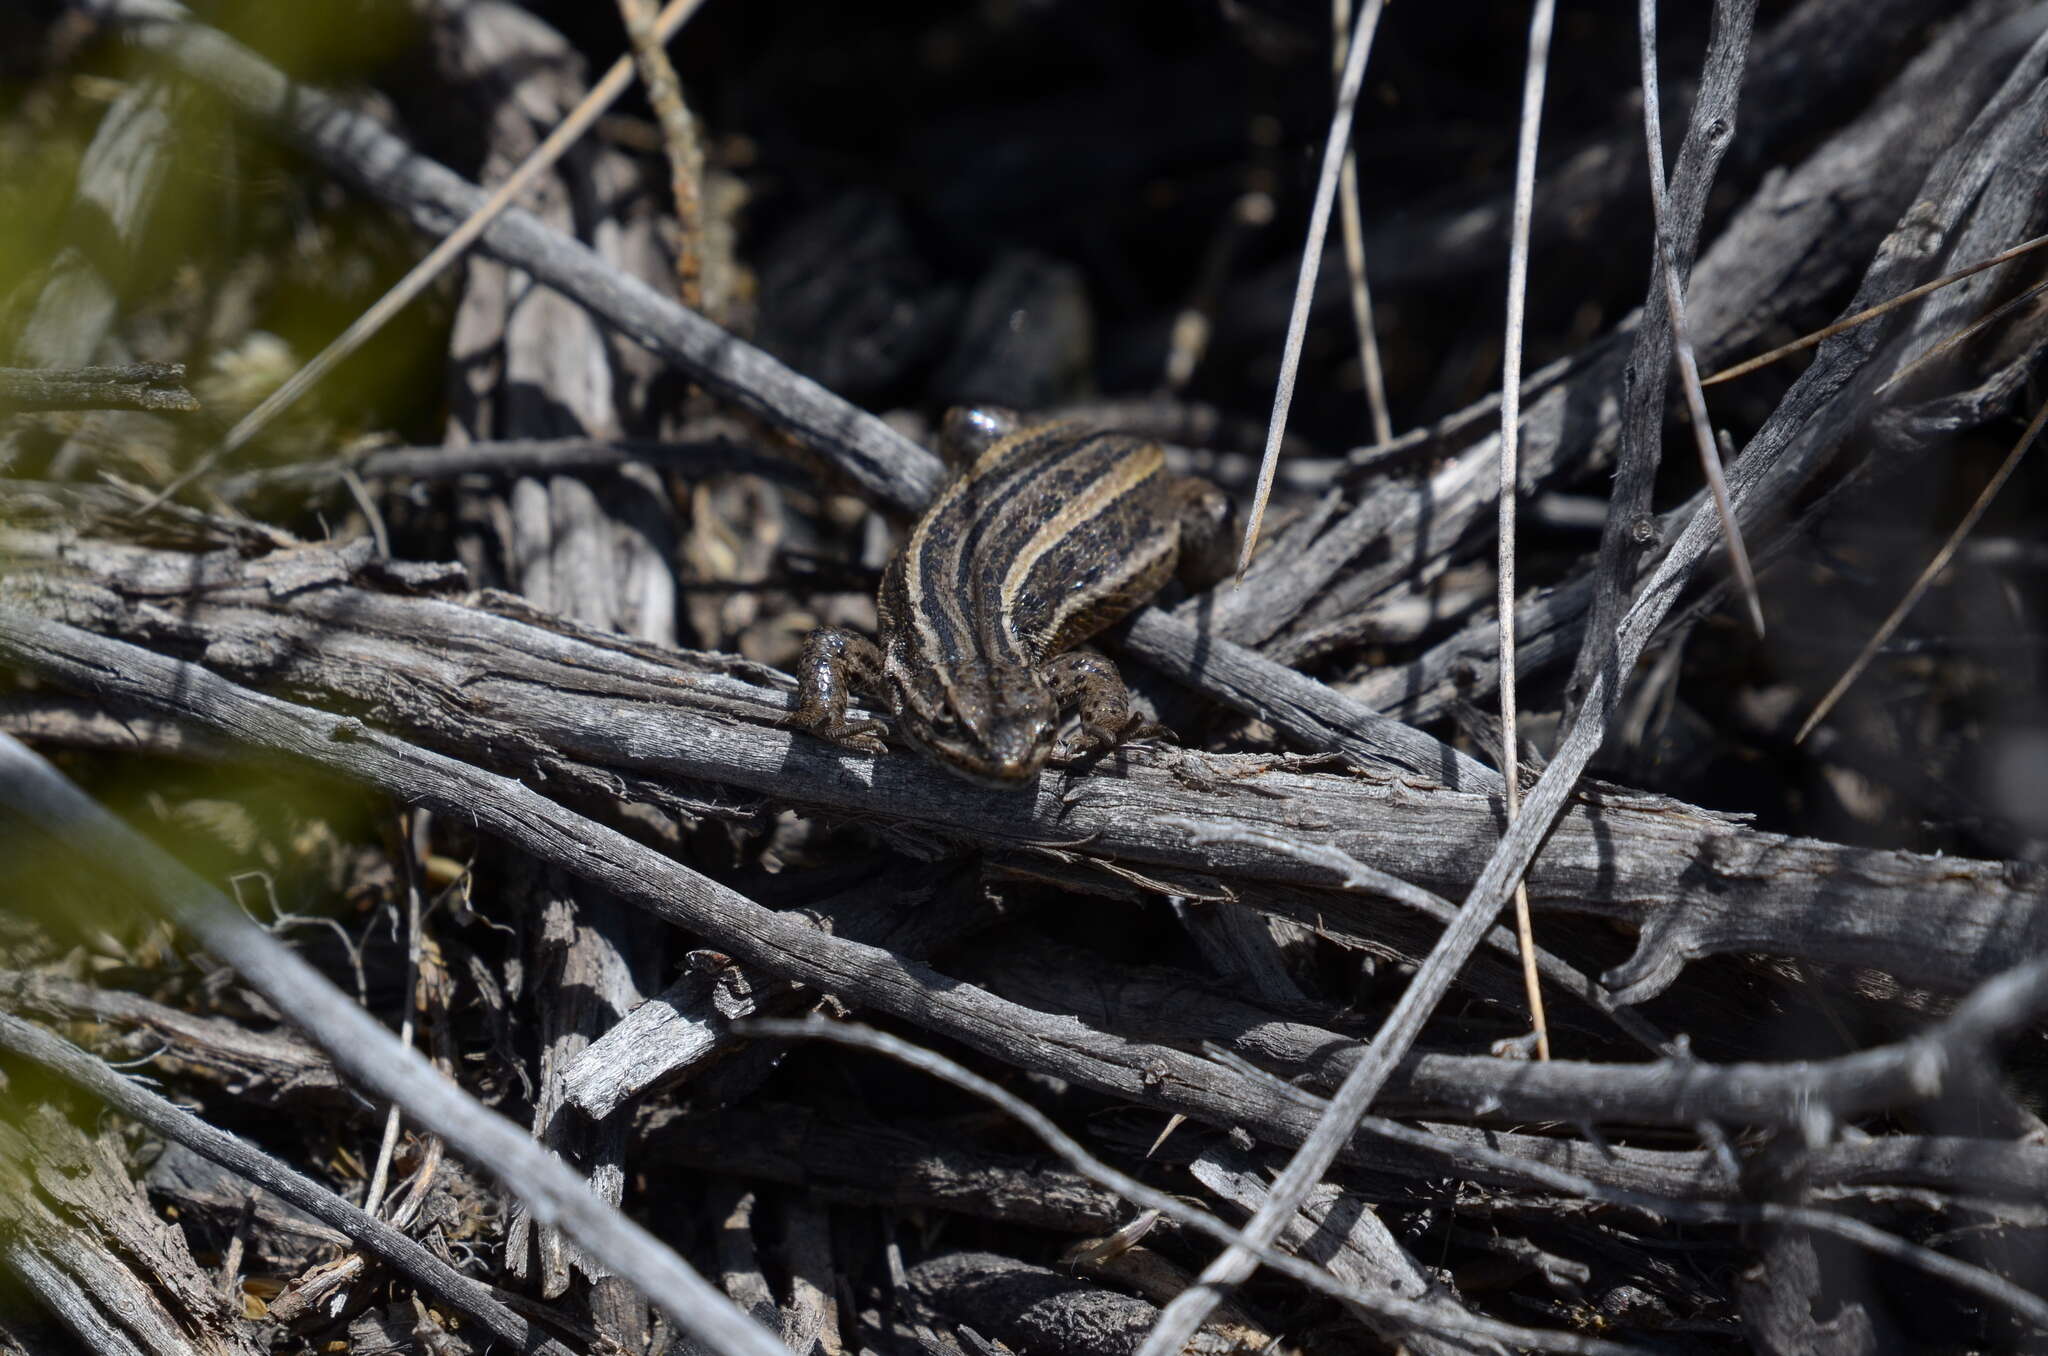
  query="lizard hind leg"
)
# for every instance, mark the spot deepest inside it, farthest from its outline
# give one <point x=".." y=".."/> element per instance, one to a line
<point x="834" y="663"/>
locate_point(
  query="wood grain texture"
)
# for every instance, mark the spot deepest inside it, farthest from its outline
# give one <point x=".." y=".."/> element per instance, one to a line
<point x="500" y="685"/>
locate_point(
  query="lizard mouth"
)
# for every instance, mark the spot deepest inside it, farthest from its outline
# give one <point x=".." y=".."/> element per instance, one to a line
<point x="998" y="777"/>
<point x="982" y="766"/>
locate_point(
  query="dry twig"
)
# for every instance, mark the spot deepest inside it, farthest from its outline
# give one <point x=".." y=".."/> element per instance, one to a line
<point x="1737" y="24"/>
<point x="1351" y="218"/>
<point x="649" y="34"/>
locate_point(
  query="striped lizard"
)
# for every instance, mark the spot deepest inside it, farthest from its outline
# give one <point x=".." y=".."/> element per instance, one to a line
<point x="1046" y="534"/>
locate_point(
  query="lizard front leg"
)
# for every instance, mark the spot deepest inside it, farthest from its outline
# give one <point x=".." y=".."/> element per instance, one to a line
<point x="1087" y="683"/>
<point x="833" y="663"/>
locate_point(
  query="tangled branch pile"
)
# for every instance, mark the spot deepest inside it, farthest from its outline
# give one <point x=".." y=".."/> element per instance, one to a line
<point x="407" y="842"/>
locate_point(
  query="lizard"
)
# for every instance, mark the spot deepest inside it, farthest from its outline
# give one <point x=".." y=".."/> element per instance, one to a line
<point x="1046" y="534"/>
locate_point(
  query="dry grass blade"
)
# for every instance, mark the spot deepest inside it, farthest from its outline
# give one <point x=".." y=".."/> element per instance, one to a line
<point x="1961" y="337"/>
<point x="1195" y="324"/>
<point x="1681" y="342"/>
<point x="1352" y="220"/>
<point x="1311" y="264"/>
<point x="1743" y="369"/>
<point x="1510" y="424"/>
<point x="601" y="97"/>
<point x="1703" y="439"/>
<point x="1926" y="579"/>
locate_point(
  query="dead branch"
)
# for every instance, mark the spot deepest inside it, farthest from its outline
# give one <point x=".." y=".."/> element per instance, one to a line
<point x="139" y="386"/>
<point x="497" y="686"/>
<point x="373" y="1235"/>
<point x="264" y="1067"/>
<point x="368" y="1052"/>
<point x="868" y="977"/>
<point x="705" y="449"/>
<point x="437" y="200"/>
<point x="1147" y="1074"/>
<point x="84" y="1239"/>
<point x="1681" y="213"/>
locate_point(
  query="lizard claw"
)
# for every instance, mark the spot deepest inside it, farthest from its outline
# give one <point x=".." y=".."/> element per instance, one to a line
<point x="1092" y="739"/>
<point x="864" y="736"/>
<point x="1150" y="729"/>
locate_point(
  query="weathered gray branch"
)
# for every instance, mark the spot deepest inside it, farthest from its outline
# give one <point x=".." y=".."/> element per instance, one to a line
<point x="265" y="1067"/>
<point x="146" y="1108"/>
<point x="1647" y="377"/>
<point x="1346" y="1236"/>
<point x="715" y="447"/>
<point x="788" y="947"/>
<point x="35" y="792"/>
<point x="142" y="386"/>
<point x="436" y="199"/>
<point x="82" y="1237"/>
<point x="777" y="944"/>
<point x="508" y="688"/>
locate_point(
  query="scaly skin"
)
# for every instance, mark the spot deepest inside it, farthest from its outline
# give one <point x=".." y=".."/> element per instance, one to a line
<point x="1048" y="535"/>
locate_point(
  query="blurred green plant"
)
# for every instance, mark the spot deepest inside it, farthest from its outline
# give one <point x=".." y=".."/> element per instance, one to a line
<point x="281" y="843"/>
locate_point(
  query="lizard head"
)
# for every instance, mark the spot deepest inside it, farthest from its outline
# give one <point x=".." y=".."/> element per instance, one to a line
<point x="991" y="723"/>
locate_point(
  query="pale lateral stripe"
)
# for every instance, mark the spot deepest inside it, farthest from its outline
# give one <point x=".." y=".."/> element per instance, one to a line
<point x="913" y="580"/>
<point x="913" y="550"/>
<point x="984" y="465"/>
<point x="988" y="469"/>
<point x="1009" y="469"/>
<point x="1132" y="568"/>
<point x="1122" y="478"/>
